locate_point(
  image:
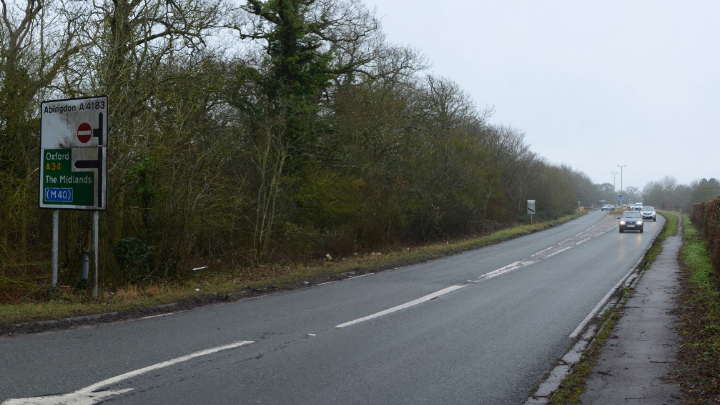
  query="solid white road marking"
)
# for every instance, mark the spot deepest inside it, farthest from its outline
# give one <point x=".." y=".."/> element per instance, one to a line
<point x="90" y="394"/>
<point x="604" y="301"/>
<point x="403" y="306"/>
<point x="362" y="275"/>
<point x="158" y="316"/>
<point x="349" y="278"/>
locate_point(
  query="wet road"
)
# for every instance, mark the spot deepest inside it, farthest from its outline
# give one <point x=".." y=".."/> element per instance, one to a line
<point x="481" y="327"/>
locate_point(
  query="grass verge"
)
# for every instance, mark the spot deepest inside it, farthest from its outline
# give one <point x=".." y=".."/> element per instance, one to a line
<point x="236" y="283"/>
<point x="699" y="356"/>
<point x="573" y="385"/>
<point x="669" y="229"/>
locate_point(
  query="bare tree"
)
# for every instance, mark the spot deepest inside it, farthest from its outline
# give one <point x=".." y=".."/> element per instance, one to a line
<point x="37" y="39"/>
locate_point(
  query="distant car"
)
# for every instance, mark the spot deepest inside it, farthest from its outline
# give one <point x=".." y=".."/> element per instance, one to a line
<point x="607" y="207"/>
<point x="648" y="212"/>
<point x="638" y="206"/>
<point x="631" y="221"/>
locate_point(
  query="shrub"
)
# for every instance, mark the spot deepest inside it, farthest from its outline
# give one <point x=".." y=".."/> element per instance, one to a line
<point x="706" y="217"/>
<point x="135" y="260"/>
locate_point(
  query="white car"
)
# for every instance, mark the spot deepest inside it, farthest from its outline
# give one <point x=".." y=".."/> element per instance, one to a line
<point x="607" y="207"/>
<point x="648" y="212"/>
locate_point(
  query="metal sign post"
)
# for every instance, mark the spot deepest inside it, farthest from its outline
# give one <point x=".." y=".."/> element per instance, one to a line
<point x="95" y="251"/>
<point x="73" y="162"/>
<point x="56" y="225"/>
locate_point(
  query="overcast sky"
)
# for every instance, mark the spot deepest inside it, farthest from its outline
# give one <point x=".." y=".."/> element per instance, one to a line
<point x="592" y="84"/>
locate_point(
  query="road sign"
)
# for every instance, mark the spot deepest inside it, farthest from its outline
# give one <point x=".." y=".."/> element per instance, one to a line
<point x="73" y="154"/>
<point x="531" y="207"/>
<point x="84" y="132"/>
<point x="620" y="197"/>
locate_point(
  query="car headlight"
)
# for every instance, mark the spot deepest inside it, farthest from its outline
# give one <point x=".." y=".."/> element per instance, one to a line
<point x="622" y="222"/>
<point x="639" y="222"/>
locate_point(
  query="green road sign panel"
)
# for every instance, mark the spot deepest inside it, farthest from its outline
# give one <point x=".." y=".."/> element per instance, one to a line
<point x="63" y="183"/>
<point x="73" y="154"/>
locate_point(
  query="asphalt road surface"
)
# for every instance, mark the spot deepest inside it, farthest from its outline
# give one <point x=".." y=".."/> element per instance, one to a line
<point x="481" y="327"/>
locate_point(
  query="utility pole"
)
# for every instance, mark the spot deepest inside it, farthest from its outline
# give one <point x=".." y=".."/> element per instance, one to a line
<point x="621" y="188"/>
<point x="614" y="173"/>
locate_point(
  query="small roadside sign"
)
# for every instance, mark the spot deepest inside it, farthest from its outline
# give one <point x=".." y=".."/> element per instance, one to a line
<point x="531" y="209"/>
<point x="73" y="153"/>
<point x="620" y="197"/>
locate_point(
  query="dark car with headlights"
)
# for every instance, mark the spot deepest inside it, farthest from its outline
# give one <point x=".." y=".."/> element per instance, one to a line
<point x="648" y="212"/>
<point x="631" y="221"/>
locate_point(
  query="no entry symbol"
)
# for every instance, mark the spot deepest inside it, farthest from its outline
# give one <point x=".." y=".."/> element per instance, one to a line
<point x="84" y="132"/>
